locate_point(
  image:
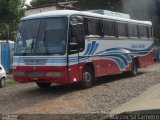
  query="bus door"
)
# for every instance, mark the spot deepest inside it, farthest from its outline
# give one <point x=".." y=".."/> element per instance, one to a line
<point x="76" y="46"/>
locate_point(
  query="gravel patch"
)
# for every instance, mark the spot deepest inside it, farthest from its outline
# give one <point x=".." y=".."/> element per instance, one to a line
<point x="108" y="93"/>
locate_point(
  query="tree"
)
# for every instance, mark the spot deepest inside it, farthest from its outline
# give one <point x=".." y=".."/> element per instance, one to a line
<point x="10" y="13"/>
<point x="114" y="5"/>
<point x="44" y="2"/>
<point x="85" y="4"/>
<point x="144" y="10"/>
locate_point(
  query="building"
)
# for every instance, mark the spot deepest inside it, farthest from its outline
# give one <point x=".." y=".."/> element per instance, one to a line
<point x="57" y="6"/>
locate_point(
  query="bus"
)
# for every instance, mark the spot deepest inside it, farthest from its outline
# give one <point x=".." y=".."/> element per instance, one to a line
<point x="67" y="46"/>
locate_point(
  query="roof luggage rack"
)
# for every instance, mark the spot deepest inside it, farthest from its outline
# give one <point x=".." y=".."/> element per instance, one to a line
<point x="110" y="13"/>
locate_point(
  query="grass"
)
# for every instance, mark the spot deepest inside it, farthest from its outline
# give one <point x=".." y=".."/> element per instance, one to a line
<point x="10" y="80"/>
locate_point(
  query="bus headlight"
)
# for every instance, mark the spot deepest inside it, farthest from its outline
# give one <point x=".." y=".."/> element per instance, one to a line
<point x="54" y="74"/>
<point x="19" y="73"/>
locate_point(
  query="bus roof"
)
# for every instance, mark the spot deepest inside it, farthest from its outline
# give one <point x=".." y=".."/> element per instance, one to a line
<point x="67" y="13"/>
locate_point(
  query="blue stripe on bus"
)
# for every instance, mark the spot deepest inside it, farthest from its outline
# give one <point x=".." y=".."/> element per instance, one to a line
<point x="122" y="58"/>
<point x="92" y="47"/>
<point x="119" y="62"/>
<point x="95" y="48"/>
<point x="88" y="49"/>
<point x="128" y="57"/>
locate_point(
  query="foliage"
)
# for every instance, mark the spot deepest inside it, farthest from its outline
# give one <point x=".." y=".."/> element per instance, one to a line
<point x="144" y="10"/>
<point x="114" y="5"/>
<point x="10" y="12"/>
<point x="43" y="2"/>
<point x="84" y="4"/>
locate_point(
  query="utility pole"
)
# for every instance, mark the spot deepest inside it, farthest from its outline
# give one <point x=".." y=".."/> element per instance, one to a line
<point x="7" y="26"/>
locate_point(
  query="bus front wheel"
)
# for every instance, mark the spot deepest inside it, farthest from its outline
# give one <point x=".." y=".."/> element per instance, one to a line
<point x="44" y="85"/>
<point x="87" y="78"/>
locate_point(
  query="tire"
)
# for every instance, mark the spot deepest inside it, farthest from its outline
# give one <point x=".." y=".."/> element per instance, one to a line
<point x="2" y="82"/>
<point x="43" y="85"/>
<point x="87" y="78"/>
<point x="134" y="71"/>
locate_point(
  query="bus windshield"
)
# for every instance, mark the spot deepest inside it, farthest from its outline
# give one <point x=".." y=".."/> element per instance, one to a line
<point x="42" y="36"/>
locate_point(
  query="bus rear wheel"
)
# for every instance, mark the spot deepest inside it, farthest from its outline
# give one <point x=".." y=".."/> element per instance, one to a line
<point x="87" y="78"/>
<point x="134" y="71"/>
<point x="43" y="85"/>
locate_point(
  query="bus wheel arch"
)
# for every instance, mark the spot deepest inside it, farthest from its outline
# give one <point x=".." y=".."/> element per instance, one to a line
<point x="91" y="66"/>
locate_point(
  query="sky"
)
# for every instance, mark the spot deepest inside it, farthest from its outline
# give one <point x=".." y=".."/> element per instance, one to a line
<point x="28" y="1"/>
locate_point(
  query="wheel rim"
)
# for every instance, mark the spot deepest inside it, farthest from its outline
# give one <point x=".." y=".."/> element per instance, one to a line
<point x="87" y="77"/>
<point x="3" y="82"/>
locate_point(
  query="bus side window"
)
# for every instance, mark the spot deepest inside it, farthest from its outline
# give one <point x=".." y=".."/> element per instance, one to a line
<point x="122" y="30"/>
<point x="109" y="28"/>
<point x="132" y="30"/>
<point x="151" y="29"/>
<point x="81" y="38"/>
<point x="148" y="32"/>
<point x="142" y="31"/>
<point x="94" y="27"/>
<point x="76" y="32"/>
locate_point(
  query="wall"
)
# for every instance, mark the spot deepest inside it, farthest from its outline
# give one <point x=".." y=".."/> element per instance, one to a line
<point x="6" y="54"/>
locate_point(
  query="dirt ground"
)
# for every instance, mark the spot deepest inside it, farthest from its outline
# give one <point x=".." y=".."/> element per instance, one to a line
<point x="108" y="93"/>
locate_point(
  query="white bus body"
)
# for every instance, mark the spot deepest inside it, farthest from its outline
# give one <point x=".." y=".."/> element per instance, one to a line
<point x="93" y="45"/>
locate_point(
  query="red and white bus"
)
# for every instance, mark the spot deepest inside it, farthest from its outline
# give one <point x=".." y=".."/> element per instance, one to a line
<point x="68" y="47"/>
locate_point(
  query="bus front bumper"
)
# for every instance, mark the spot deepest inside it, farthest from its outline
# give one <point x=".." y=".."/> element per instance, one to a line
<point x="40" y="76"/>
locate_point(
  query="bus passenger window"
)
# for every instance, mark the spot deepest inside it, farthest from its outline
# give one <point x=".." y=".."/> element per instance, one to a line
<point x="109" y="28"/>
<point x="142" y="31"/>
<point x="122" y="30"/>
<point x="94" y="27"/>
<point x="149" y="32"/>
<point x="132" y="30"/>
